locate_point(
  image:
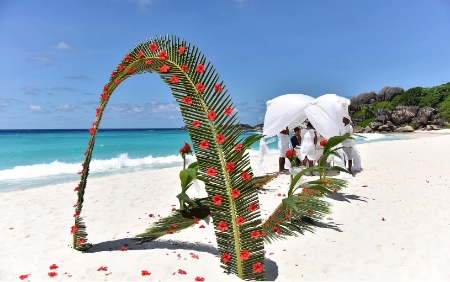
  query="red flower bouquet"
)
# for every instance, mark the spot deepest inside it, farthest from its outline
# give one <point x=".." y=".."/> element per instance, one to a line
<point x="292" y="156"/>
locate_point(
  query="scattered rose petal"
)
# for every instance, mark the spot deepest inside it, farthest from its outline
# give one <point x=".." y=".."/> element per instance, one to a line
<point x="180" y="271"/>
<point x="22" y="277"/>
<point x="145" y="273"/>
<point x="102" y="268"/>
<point x="53" y="266"/>
<point x="364" y="186"/>
<point x="201" y="226"/>
<point x="52" y="274"/>
<point x="198" y="278"/>
<point x="383" y="219"/>
<point x="123" y="249"/>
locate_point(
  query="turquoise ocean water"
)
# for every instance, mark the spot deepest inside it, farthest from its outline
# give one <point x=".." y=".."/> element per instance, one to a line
<point x="35" y="158"/>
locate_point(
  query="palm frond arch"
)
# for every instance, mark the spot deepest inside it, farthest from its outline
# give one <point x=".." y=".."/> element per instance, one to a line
<point x="206" y="108"/>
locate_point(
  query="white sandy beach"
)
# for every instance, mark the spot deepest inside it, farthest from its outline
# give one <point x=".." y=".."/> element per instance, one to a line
<point x="408" y="184"/>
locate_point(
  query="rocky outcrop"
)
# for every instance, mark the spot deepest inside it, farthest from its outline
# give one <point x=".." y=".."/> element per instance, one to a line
<point x="361" y="99"/>
<point x="403" y="114"/>
<point x="383" y="116"/>
<point x="388" y="93"/>
<point x="358" y="129"/>
<point x="406" y="128"/>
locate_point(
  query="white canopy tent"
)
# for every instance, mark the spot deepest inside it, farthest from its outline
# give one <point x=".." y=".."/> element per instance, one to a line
<point x="325" y="114"/>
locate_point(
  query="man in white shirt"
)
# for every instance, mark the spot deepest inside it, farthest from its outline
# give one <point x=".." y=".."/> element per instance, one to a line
<point x="283" y="146"/>
<point x="348" y="143"/>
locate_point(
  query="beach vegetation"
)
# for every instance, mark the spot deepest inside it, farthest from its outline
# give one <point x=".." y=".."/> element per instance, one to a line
<point x="365" y="122"/>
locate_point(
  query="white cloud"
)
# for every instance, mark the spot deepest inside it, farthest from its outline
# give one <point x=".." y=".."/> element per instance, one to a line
<point x="42" y="58"/>
<point x="31" y="89"/>
<point x="38" y="109"/>
<point x="158" y="107"/>
<point x="6" y="102"/>
<point x="63" y="88"/>
<point x="65" y="108"/>
<point x="62" y="46"/>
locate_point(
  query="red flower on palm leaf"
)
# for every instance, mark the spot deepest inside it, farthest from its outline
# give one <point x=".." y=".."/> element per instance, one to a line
<point x="323" y="143"/>
<point x="76" y="214"/>
<point x="255" y="234"/>
<point x="245" y="176"/>
<point x="187" y="100"/>
<point x="217" y="200"/>
<point x="276" y="230"/>
<point x="105" y="88"/>
<point x="184" y="68"/>
<point x="218" y="88"/>
<point x="245" y="255"/>
<point x="163" y="55"/>
<point x="263" y="233"/>
<point x="164" y="68"/>
<point x="240" y="220"/>
<point x="113" y="73"/>
<point x="226" y="257"/>
<point x="98" y="111"/>
<point x="230" y="166"/>
<point x="73" y="229"/>
<point x="86" y="152"/>
<point x="196" y="123"/>
<point x="257" y="267"/>
<point x="200" y="87"/>
<point x="220" y="138"/>
<point x="222" y="226"/>
<point x="92" y="131"/>
<point x="253" y="207"/>
<point x="121" y="67"/>
<point x="181" y="50"/>
<point x="238" y="147"/>
<point x="80" y="241"/>
<point x="211" y="172"/>
<point x="228" y="111"/>
<point x="211" y="115"/>
<point x="104" y="96"/>
<point x="200" y="68"/>
<point x="204" y="144"/>
<point x="127" y="58"/>
<point x="174" y="79"/>
<point x="131" y="71"/>
<point x="235" y="193"/>
<point x="153" y="47"/>
<point x="148" y="62"/>
<point x="310" y="212"/>
<point x="140" y="54"/>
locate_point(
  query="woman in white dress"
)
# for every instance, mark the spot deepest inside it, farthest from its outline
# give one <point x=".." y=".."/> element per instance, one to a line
<point x="308" y="146"/>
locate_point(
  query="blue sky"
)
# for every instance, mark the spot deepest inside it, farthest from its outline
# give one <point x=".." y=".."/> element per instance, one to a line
<point x="57" y="55"/>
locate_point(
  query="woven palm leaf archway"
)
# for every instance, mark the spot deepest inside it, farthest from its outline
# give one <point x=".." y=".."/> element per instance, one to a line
<point x="207" y="111"/>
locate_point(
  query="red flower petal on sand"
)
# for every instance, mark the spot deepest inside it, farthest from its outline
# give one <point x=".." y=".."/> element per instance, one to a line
<point x="335" y="191"/>
<point x="383" y="219"/>
<point x="174" y="79"/>
<point x="245" y="176"/>
<point x="145" y="273"/>
<point x="121" y="67"/>
<point x="131" y="71"/>
<point x="187" y="100"/>
<point x="211" y="171"/>
<point x="253" y="207"/>
<point x="127" y="58"/>
<point x="198" y="278"/>
<point x="235" y="193"/>
<point x="52" y="274"/>
<point x="211" y="115"/>
<point x="240" y="220"/>
<point x="222" y="226"/>
<point x="113" y="73"/>
<point x="255" y="234"/>
<point x="153" y="47"/>
<point x="73" y="229"/>
<point x="123" y="249"/>
<point x="181" y="50"/>
<point x="257" y="267"/>
<point x="163" y="55"/>
<point x="200" y="87"/>
<point x="200" y="68"/>
<point x="217" y="200"/>
<point x="148" y="62"/>
<point x="181" y="271"/>
<point x="220" y="138"/>
<point x="22" y="277"/>
<point x="245" y="255"/>
<point x="164" y="68"/>
<point x="140" y="54"/>
<point x="228" y="111"/>
<point x="364" y="186"/>
<point x="174" y="209"/>
<point x="195" y="123"/>
<point x="204" y="144"/>
<point x="218" y="88"/>
<point x="80" y="241"/>
<point x="202" y="226"/>
<point x="102" y="268"/>
<point x="226" y="257"/>
<point x="238" y="147"/>
<point x="184" y="68"/>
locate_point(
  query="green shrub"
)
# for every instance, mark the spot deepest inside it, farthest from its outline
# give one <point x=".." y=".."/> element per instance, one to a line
<point x="397" y="100"/>
<point x="412" y="96"/>
<point x="365" y="122"/>
<point x="384" y="105"/>
<point x="413" y="126"/>
<point x="444" y="108"/>
<point x="358" y="114"/>
<point x="431" y="97"/>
